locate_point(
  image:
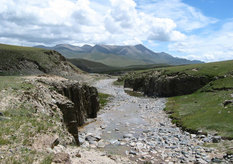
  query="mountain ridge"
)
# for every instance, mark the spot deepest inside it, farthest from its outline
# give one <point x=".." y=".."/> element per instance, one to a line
<point x="119" y="55"/>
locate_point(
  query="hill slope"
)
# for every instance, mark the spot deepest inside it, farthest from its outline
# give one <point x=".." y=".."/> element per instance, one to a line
<point x="90" y="66"/>
<point x="119" y="55"/>
<point x="96" y="67"/>
<point x="26" y="60"/>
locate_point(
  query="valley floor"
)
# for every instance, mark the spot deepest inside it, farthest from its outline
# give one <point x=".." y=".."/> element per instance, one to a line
<point x="127" y="130"/>
<point x="138" y="128"/>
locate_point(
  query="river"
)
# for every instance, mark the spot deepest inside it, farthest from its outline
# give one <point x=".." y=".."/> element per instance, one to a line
<point x="137" y="127"/>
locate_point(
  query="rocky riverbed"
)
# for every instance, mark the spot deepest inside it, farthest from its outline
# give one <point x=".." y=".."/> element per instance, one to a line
<point x="138" y="128"/>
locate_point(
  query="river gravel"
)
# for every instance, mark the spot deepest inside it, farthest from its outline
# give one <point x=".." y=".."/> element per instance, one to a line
<point x="137" y="127"/>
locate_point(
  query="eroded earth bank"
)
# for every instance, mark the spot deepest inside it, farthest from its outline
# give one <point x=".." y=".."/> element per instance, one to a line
<point x="139" y="129"/>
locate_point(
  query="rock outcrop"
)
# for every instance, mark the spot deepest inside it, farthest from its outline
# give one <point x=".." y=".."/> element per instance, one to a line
<point x="166" y="85"/>
<point x="76" y="102"/>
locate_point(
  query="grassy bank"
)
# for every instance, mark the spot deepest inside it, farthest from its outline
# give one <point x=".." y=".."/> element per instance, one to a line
<point x="104" y="99"/>
<point x="20" y="124"/>
<point x="204" y="109"/>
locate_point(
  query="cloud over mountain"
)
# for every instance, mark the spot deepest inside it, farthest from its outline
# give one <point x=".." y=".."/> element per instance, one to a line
<point x="171" y="25"/>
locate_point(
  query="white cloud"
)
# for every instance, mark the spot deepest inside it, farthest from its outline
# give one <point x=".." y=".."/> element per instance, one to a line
<point x="65" y="21"/>
<point x="213" y="46"/>
<point x="50" y="22"/>
<point x="186" y="17"/>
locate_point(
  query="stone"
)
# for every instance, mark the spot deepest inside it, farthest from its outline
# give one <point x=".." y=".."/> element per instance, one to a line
<point x="216" y="160"/>
<point x="93" y="142"/>
<point x="132" y="152"/>
<point x="127" y="136"/>
<point x="85" y="144"/>
<point x="101" y="144"/>
<point x="227" y="102"/>
<point x="62" y="158"/>
<point x="216" y="139"/>
<point x="102" y="126"/>
<point x="161" y="124"/>
<point x="78" y="155"/>
<point x="193" y="135"/>
<point x="55" y="143"/>
<point x="92" y="138"/>
<point x="116" y="129"/>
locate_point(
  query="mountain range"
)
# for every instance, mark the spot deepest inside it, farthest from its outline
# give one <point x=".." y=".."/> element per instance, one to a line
<point x="118" y="56"/>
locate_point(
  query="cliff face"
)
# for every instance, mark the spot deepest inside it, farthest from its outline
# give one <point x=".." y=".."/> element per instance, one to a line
<point x="163" y="85"/>
<point x="76" y="102"/>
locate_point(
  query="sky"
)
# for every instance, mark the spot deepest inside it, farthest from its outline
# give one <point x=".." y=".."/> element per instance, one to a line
<point x="192" y="29"/>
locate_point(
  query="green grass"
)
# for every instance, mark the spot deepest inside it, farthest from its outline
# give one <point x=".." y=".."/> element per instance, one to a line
<point x="205" y="69"/>
<point x="12" y="56"/>
<point x="134" y="93"/>
<point x="19" y="130"/>
<point x="98" y="67"/>
<point x="21" y="123"/>
<point x="47" y="160"/>
<point x="9" y="81"/>
<point x="104" y="99"/>
<point x="118" y="82"/>
<point x="204" y="110"/>
<point x="15" y="83"/>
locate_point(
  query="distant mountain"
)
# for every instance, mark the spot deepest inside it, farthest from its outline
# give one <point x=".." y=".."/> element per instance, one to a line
<point x="119" y="55"/>
<point x="96" y="67"/>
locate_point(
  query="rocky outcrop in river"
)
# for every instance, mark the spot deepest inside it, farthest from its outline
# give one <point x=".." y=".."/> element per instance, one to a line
<point x="166" y="85"/>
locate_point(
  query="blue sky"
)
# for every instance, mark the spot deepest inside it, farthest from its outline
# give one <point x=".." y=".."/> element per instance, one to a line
<point x="193" y="29"/>
<point x="220" y="9"/>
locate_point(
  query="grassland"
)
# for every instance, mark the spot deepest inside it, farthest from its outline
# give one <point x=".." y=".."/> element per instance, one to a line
<point x="97" y="67"/>
<point x="204" y="109"/>
<point x="104" y="99"/>
<point x="206" y="69"/>
<point x="16" y="60"/>
<point x="20" y="124"/>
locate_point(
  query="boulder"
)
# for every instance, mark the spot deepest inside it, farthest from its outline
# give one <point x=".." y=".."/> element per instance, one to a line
<point x="62" y="158"/>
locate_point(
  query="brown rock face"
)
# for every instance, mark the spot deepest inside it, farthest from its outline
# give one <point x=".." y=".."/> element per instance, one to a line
<point x="85" y="104"/>
<point x="74" y="101"/>
<point x="166" y="85"/>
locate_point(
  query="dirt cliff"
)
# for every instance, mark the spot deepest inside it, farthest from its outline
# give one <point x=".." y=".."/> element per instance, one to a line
<point x="166" y="85"/>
